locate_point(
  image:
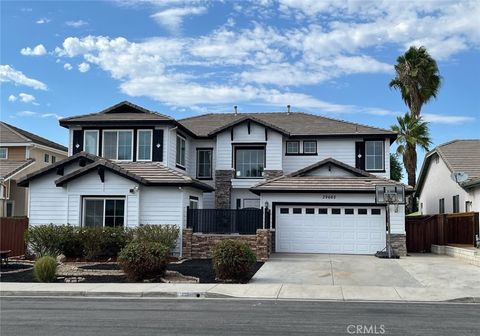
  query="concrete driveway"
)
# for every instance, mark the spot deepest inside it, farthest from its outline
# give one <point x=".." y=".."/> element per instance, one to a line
<point x="420" y="270"/>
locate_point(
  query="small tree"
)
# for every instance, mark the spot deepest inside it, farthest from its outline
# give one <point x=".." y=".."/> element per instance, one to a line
<point x="396" y="169"/>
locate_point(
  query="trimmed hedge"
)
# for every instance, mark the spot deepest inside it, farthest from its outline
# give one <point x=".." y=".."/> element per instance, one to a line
<point x="164" y="234"/>
<point x="233" y="260"/>
<point x="144" y="260"/>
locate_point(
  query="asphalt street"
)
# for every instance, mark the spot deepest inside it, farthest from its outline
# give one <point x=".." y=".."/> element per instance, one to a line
<point x="101" y="316"/>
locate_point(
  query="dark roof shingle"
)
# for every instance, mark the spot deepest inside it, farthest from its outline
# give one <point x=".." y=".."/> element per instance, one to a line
<point x="9" y="168"/>
<point x="12" y="134"/>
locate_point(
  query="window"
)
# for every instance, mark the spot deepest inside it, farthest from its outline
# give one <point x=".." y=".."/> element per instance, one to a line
<point x="204" y="163"/>
<point x="144" y="145"/>
<point x="348" y="211"/>
<point x="374" y="155"/>
<point x="54" y="159"/>
<point x="251" y="203"/>
<point x="193" y="204"/>
<point x="468" y="206"/>
<point x="323" y="211"/>
<point x="10" y="208"/>
<point x="249" y="162"/>
<point x="376" y="212"/>
<point x="118" y="145"/>
<point x="309" y="211"/>
<point x="99" y="212"/>
<point x="335" y="211"/>
<point x="181" y="145"/>
<point x="293" y="147"/>
<point x="362" y="211"/>
<point x="309" y="147"/>
<point x="297" y="210"/>
<point x="46" y="158"/>
<point x="456" y="203"/>
<point x="441" y="205"/>
<point x="284" y="210"/>
<point x="91" y="141"/>
<point x="3" y="153"/>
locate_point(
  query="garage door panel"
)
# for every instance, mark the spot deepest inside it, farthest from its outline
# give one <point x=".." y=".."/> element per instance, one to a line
<point x="330" y="233"/>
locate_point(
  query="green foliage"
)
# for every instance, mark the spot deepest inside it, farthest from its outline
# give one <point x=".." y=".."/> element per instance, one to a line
<point x="45" y="269"/>
<point x="144" y="260"/>
<point x="104" y="241"/>
<point x="164" y="234"/>
<point x="50" y="239"/>
<point x="396" y="172"/>
<point x="233" y="260"/>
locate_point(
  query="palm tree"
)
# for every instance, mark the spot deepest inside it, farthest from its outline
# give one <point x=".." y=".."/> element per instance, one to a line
<point x="412" y="132"/>
<point x="417" y="78"/>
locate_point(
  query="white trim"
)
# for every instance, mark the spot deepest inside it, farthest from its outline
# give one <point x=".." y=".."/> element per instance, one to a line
<point x="50" y="149"/>
<point x="104" y="199"/>
<point x="151" y="144"/>
<point x="117" y="130"/>
<point x="185" y="152"/>
<point x="98" y="140"/>
<point x="16" y="173"/>
<point x="6" y="153"/>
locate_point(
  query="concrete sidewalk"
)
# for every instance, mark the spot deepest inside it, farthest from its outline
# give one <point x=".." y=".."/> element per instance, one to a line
<point x="252" y="291"/>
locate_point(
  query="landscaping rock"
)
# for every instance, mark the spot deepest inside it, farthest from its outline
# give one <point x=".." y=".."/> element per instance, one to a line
<point x="61" y="259"/>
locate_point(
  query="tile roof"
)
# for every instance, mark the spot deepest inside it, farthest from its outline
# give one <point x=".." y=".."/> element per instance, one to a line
<point x="121" y="112"/>
<point x="459" y="156"/>
<point x="9" y="168"/>
<point x="12" y="134"/>
<point x="291" y="123"/>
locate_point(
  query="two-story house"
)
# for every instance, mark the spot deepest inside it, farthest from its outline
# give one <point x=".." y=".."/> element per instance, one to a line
<point x="21" y="153"/>
<point x="131" y="166"/>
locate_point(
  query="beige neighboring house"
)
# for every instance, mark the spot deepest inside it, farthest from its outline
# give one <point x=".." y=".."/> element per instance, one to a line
<point x="449" y="180"/>
<point x="21" y="153"/>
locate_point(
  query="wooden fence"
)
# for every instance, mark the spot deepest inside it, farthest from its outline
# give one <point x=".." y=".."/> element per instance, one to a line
<point x="441" y="229"/>
<point x="12" y="231"/>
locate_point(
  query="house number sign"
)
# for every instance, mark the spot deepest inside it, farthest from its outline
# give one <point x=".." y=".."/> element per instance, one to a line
<point x="329" y="197"/>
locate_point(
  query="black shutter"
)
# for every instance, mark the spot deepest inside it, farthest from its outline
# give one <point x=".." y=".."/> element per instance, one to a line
<point x="77" y="141"/>
<point x="157" y="146"/>
<point x="360" y="155"/>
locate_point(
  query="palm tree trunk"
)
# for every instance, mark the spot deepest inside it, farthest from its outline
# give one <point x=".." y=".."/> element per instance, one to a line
<point x="410" y="162"/>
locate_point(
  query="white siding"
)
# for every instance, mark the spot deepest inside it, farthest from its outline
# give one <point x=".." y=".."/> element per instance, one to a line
<point x="171" y="157"/>
<point x="437" y="185"/>
<point x="209" y="200"/>
<point x="161" y="205"/>
<point x="242" y="194"/>
<point x="48" y="203"/>
<point x="224" y="151"/>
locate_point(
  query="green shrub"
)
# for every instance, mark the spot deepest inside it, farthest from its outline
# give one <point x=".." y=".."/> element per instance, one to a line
<point x="50" y="239"/>
<point x="233" y="260"/>
<point x="164" y="234"/>
<point x="144" y="260"/>
<point x="45" y="269"/>
<point x="103" y="241"/>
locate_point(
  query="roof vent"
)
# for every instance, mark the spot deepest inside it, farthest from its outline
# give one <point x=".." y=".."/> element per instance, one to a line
<point x="288" y="109"/>
<point x="235" y="109"/>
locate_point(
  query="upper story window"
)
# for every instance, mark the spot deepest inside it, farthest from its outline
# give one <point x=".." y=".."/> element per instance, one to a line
<point x="204" y="163"/>
<point x="91" y="141"/>
<point x="181" y="151"/>
<point x="46" y="158"/>
<point x="441" y="205"/>
<point x="293" y="147"/>
<point x="310" y="147"/>
<point x="249" y="162"/>
<point x="118" y="145"/>
<point x="374" y="155"/>
<point x="54" y="159"/>
<point x="3" y="153"/>
<point x="456" y="203"/>
<point x="144" y="145"/>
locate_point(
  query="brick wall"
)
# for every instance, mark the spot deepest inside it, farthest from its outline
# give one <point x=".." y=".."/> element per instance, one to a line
<point x="199" y="245"/>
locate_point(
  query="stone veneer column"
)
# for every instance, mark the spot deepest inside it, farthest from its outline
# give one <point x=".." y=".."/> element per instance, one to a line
<point x="223" y="188"/>
<point x="399" y="244"/>
<point x="270" y="174"/>
<point x="187" y="243"/>
<point x="264" y="244"/>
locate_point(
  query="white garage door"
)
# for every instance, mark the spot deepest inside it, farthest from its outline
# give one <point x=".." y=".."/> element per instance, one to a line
<point x="330" y="229"/>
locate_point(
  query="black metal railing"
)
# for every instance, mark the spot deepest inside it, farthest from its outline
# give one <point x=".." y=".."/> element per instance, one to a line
<point x="223" y="221"/>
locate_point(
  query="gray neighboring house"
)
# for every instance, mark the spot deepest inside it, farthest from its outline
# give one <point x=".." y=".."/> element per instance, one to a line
<point x="438" y="190"/>
<point x="130" y="166"/>
<point x="21" y="153"/>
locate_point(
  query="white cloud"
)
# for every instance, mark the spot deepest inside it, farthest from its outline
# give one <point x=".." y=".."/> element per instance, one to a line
<point x="67" y="66"/>
<point x="12" y="98"/>
<point x="42" y="21"/>
<point x="39" y="50"/>
<point x="26" y="113"/>
<point x="9" y="74"/>
<point x="172" y="18"/>
<point x="76" y="24"/>
<point x="52" y="115"/>
<point x="446" y="119"/>
<point x="26" y="98"/>
<point x="83" y="67"/>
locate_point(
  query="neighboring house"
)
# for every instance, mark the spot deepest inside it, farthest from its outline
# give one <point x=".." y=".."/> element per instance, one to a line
<point x="22" y="152"/>
<point x="316" y="174"/>
<point x="449" y="180"/>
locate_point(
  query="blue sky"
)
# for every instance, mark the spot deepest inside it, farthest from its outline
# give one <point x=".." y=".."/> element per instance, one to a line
<point x="184" y="58"/>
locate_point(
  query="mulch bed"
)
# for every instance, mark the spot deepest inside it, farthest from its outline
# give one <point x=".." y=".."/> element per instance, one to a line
<point x="199" y="268"/>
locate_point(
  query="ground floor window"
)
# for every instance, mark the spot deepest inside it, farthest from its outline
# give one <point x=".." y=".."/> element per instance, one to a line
<point x="193" y="202"/>
<point x="99" y="212"/>
<point x="10" y="208"/>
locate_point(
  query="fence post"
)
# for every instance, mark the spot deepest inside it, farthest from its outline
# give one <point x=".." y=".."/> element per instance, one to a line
<point x="441" y="219"/>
